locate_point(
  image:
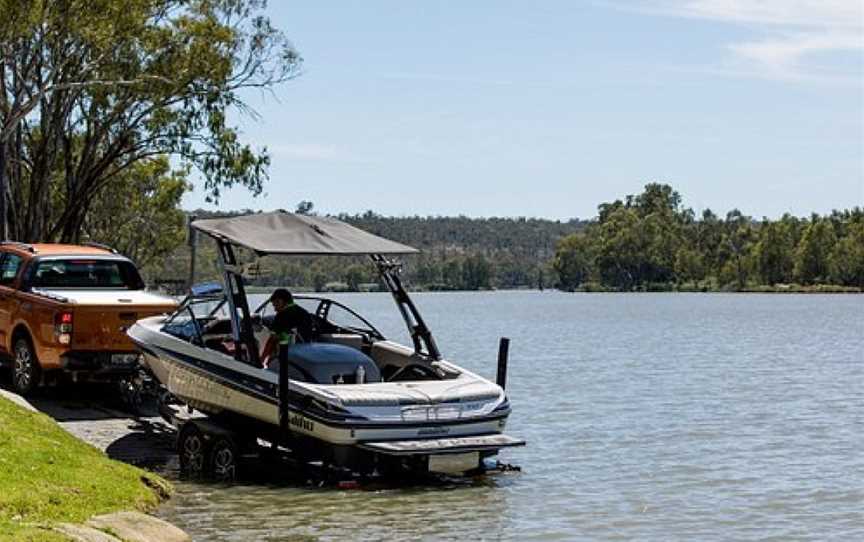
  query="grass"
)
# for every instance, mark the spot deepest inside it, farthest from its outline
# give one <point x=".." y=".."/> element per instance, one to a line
<point x="48" y="476"/>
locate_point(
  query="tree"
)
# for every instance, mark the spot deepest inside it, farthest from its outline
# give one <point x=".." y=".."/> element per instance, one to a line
<point x="139" y="216"/>
<point x="426" y="271"/>
<point x="451" y="274"/>
<point x="89" y="88"/>
<point x="354" y="275"/>
<point x="574" y="260"/>
<point x="708" y="238"/>
<point x="622" y="249"/>
<point x="476" y="273"/>
<point x="656" y="198"/>
<point x="846" y="261"/>
<point x="662" y="234"/>
<point x="689" y="265"/>
<point x="774" y="252"/>
<point x="736" y="248"/>
<point x="319" y="280"/>
<point x="305" y="208"/>
<point x="811" y="255"/>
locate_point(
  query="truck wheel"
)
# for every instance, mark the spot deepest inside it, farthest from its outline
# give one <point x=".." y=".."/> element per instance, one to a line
<point x="26" y="370"/>
<point x="223" y="460"/>
<point x="192" y="450"/>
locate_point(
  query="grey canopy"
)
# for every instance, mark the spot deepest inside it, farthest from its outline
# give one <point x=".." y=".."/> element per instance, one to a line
<point x="288" y="233"/>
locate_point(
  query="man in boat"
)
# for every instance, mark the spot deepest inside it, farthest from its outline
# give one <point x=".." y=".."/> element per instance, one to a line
<point x="290" y="324"/>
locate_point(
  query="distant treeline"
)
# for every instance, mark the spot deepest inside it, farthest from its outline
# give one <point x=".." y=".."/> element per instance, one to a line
<point x="651" y="242"/>
<point x="457" y="253"/>
<point x="644" y="242"/>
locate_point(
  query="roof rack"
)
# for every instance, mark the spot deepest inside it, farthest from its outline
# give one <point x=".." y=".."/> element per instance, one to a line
<point x="100" y="245"/>
<point x="26" y="246"/>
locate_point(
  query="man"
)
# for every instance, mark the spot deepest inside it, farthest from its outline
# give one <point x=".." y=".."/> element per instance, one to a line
<point x="290" y="324"/>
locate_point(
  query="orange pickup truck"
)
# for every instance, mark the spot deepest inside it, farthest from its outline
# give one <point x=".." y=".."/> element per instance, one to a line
<point x="64" y="309"/>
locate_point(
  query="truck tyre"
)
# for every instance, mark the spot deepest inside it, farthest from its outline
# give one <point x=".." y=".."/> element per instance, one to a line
<point x="222" y="465"/>
<point x="192" y="449"/>
<point x="26" y="371"/>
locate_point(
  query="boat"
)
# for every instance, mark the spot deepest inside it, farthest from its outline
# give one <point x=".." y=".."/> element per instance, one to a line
<point x="349" y="397"/>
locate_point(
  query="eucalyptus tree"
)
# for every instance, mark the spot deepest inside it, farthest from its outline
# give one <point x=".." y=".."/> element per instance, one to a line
<point x="574" y="260"/>
<point x="811" y="255"/>
<point x="774" y="252"/>
<point x="737" y="247"/>
<point x="140" y="214"/>
<point x="89" y="88"/>
<point x="846" y="261"/>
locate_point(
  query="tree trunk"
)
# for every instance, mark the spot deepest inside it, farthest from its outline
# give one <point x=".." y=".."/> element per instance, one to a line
<point x="4" y="232"/>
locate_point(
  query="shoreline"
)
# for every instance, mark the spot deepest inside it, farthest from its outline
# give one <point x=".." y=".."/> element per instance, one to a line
<point x="56" y="486"/>
<point x="790" y="289"/>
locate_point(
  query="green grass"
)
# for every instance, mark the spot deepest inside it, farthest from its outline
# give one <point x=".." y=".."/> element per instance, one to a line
<point x="49" y="476"/>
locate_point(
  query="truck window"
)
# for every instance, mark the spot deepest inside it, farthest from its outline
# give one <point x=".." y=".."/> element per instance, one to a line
<point x="9" y="265"/>
<point x="86" y="273"/>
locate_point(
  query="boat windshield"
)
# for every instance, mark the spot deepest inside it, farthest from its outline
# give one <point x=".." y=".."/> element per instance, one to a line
<point x="330" y="316"/>
<point x="193" y="315"/>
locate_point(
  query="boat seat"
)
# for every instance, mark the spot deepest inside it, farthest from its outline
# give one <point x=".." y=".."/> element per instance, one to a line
<point x="327" y="363"/>
<point x="348" y="339"/>
<point x="390" y="353"/>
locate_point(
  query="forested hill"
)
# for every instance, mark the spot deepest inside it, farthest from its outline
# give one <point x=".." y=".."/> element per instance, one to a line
<point x="646" y="241"/>
<point x="471" y="253"/>
<point x="490" y="235"/>
<point x="456" y="253"/>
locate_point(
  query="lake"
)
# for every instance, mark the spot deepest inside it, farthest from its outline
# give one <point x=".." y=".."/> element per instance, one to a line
<point x="647" y="416"/>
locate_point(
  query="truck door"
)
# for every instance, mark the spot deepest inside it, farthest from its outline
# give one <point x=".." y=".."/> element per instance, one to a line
<point x="10" y="264"/>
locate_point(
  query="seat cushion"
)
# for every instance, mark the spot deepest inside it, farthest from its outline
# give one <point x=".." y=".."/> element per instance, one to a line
<point x="327" y="363"/>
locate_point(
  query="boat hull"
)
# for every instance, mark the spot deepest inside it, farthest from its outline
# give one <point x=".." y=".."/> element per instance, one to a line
<point x="253" y="393"/>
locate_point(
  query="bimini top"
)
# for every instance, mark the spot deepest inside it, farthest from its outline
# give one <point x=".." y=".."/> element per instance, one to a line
<point x="288" y="233"/>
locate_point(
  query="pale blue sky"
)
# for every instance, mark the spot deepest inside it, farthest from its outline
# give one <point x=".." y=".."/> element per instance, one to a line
<point x="505" y="108"/>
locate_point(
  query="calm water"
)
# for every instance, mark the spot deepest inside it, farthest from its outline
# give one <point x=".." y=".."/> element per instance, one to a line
<point x="648" y="416"/>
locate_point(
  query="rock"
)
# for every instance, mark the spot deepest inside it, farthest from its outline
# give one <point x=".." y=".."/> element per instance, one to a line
<point x="138" y="527"/>
<point x="83" y="533"/>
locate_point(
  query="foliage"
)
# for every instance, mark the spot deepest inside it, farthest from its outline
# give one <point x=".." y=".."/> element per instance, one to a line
<point x="458" y="253"/>
<point x="139" y="216"/>
<point x="476" y="273"/>
<point x="573" y="260"/>
<point x="774" y="252"/>
<point x="846" y="261"/>
<point x="649" y="242"/>
<point x="354" y="276"/>
<point x="811" y="256"/>
<point x="89" y="88"/>
<point x="645" y="242"/>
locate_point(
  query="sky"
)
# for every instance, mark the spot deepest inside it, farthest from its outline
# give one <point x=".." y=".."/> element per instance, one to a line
<point x="547" y="109"/>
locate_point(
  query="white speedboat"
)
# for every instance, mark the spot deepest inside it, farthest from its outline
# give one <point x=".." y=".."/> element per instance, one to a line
<point x="349" y="397"/>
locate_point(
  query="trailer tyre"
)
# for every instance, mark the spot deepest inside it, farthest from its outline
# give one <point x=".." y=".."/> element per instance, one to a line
<point x="223" y="460"/>
<point x="192" y="449"/>
<point x="26" y="371"/>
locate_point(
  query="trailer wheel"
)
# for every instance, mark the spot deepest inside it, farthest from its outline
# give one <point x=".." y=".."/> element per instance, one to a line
<point x="223" y="460"/>
<point x="192" y="449"/>
<point x="26" y="371"/>
<point x="131" y="392"/>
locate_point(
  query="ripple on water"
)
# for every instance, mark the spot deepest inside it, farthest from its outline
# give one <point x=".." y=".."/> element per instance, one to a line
<point x="663" y="417"/>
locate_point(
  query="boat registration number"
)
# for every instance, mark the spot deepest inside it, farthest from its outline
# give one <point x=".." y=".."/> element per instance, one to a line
<point x="454" y="463"/>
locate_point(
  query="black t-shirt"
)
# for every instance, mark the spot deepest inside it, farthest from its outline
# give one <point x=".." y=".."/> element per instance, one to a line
<point x="293" y="318"/>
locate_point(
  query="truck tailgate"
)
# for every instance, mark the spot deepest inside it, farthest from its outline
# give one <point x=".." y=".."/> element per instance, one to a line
<point x="104" y="327"/>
